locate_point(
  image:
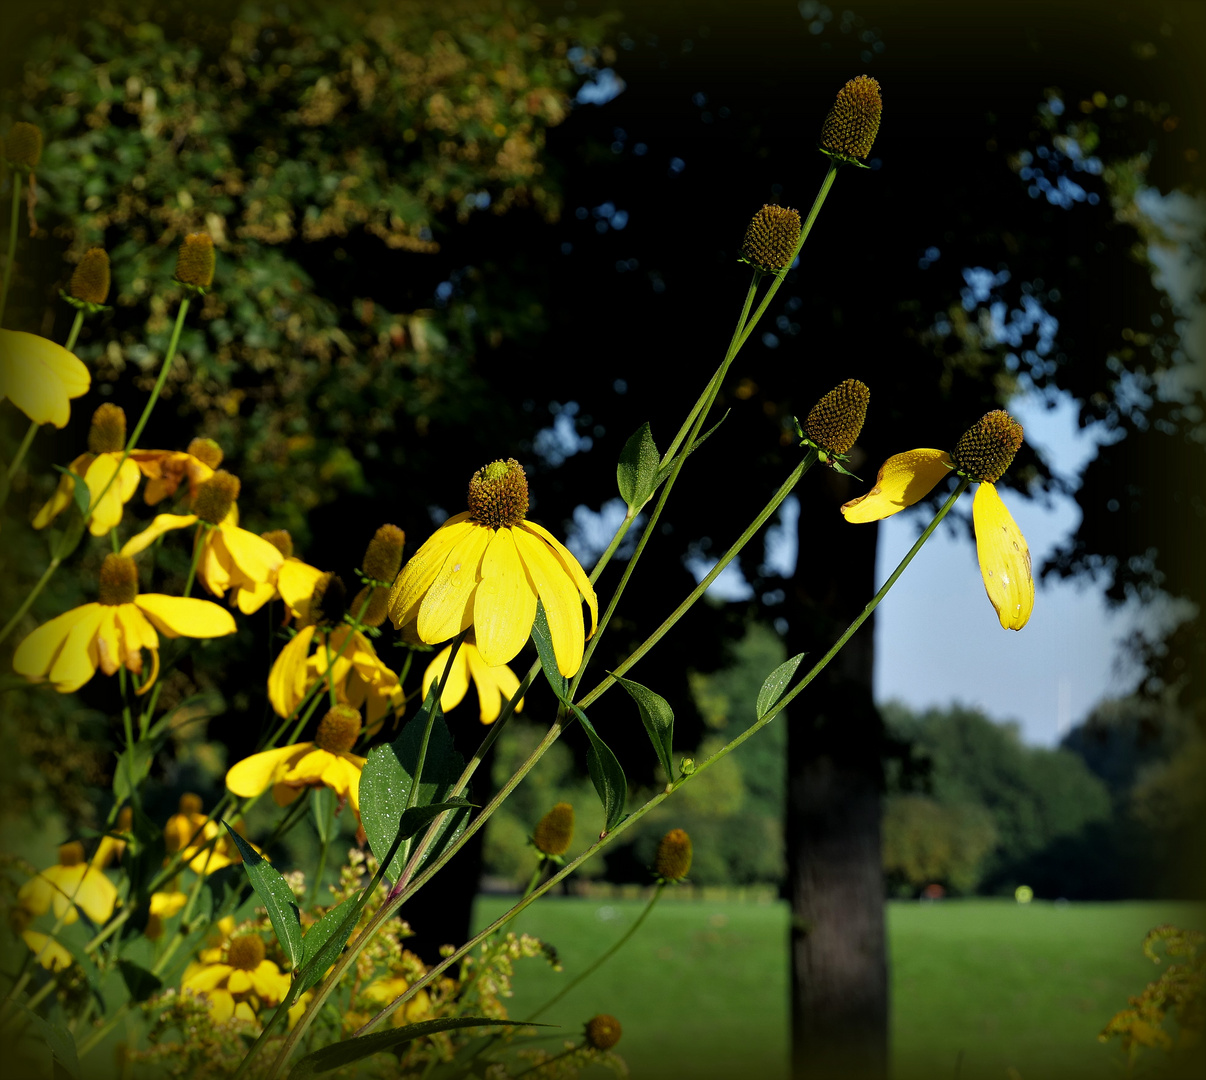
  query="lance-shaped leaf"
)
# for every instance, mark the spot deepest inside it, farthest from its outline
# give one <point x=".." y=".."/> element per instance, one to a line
<point x="658" y="718"/>
<point x="776" y="685"/>
<point x="605" y="773"/>
<point x="276" y="895"/>
<point x="543" y="639"/>
<point x="636" y="473"/>
<point x="323" y="943"/>
<point x="668" y="467"/>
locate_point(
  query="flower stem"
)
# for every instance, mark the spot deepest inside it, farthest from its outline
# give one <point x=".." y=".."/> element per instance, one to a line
<point x="7" y="479"/>
<point x="10" y="264"/>
<point x="39" y="585"/>
<point x="192" y="566"/>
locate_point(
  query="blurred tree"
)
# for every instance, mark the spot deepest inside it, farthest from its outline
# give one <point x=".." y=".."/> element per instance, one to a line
<point x="926" y="841"/>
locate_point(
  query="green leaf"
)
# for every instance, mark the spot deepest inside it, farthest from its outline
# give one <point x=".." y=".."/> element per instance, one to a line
<point x="637" y="469"/>
<point x="278" y="898"/>
<point x="337" y="1055"/>
<point x="133" y="765"/>
<point x="386" y="781"/>
<point x="140" y="982"/>
<point x="605" y="773"/>
<point x="79" y="490"/>
<point x="543" y="638"/>
<point x="658" y="718"/>
<point x="776" y="684"/>
<point x="57" y="1039"/>
<point x="323" y="943"/>
<point x="322" y="803"/>
<point x="417" y="817"/>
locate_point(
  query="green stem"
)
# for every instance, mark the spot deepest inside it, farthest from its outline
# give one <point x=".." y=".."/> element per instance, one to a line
<point x="198" y="543"/>
<point x="11" y="263"/>
<point x="6" y="481"/>
<point x="76" y="325"/>
<point x="323" y="843"/>
<point x="488" y="960"/>
<point x="27" y="603"/>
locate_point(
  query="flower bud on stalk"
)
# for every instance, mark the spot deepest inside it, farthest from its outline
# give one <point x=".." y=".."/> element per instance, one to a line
<point x="986" y="450"/>
<point x="216" y="496"/>
<point x="555" y="831"/>
<point x="90" y="280"/>
<point x="850" y="128"/>
<point x="771" y="239"/>
<point x="195" y="261"/>
<point x="673" y="861"/>
<point x="207" y="451"/>
<point x="23" y="147"/>
<point x="603" y="1031"/>
<point x="107" y="435"/>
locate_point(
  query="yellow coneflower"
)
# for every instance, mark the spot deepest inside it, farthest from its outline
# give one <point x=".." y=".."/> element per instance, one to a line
<point x="495" y="685"/>
<point x="40" y="377"/>
<point x="73" y="882"/>
<point x="240" y="984"/>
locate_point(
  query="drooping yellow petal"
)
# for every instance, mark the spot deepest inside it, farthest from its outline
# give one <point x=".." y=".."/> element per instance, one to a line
<point x="270" y="982"/>
<point x="253" y="597"/>
<point x="559" y="595"/>
<point x="96" y="895"/>
<point x="295" y="581"/>
<point x="206" y="978"/>
<point x="287" y="679"/>
<point x="51" y="955"/>
<point x="35" y="656"/>
<point x="903" y="480"/>
<point x="574" y="568"/>
<point x="504" y="606"/>
<point x="257" y="773"/>
<point x="447" y="606"/>
<point x="420" y="570"/>
<point x="186" y="616"/>
<point x="162" y="523"/>
<point x="136" y="627"/>
<point x="40" y="377"/>
<point x="214" y="564"/>
<point x="308" y="768"/>
<point x="109" y="651"/>
<point x="458" y="678"/>
<point x="1004" y="559"/>
<point x="107" y="507"/>
<point x="64" y="494"/>
<point x="494" y="684"/>
<point x="239" y="981"/>
<point x="252" y="554"/>
<point x="343" y="777"/>
<point x="77" y="660"/>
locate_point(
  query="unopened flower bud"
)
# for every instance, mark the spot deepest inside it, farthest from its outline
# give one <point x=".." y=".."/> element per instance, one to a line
<point x="90" y="279"/>
<point x="195" y="261"/>
<point x="216" y="496"/>
<point x="836" y="420"/>
<point x="190" y="803"/>
<point x="673" y="860"/>
<point x="71" y="854"/>
<point x="339" y="729"/>
<point x="118" y="580"/>
<point x="498" y="494"/>
<point x="383" y="557"/>
<point x="555" y="831"/>
<point x="328" y="600"/>
<point x="207" y="451"/>
<point x="107" y="435"/>
<point x="770" y="241"/>
<point x="377" y="599"/>
<point x="281" y="540"/>
<point x="23" y="147"/>
<point x="850" y="128"/>
<point x="987" y="448"/>
<point x="603" y="1031"/>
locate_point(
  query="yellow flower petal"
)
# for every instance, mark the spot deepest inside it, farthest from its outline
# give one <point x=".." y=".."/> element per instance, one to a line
<point x="35" y="656"/>
<point x="903" y="480"/>
<point x="251" y="598"/>
<point x="343" y="777"/>
<point x="137" y="629"/>
<point x="559" y="595"/>
<point x="109" y="651"/>
<point x="252" y="554"/>
<point x="458" y="678"/>
<point x="76" y="662"/>
<point x="106" y="513"/>
<point x="1004" y="559"/>
<point x="51" y="955"/>
<point x="96" y="896"/>
<point x="40" y="377"/>
<point x="257" y="773"/>
<point x="270" y="982"/>
<point x="214" y="564"/>
<point x="447" y="606"/>
<point x="421" y="569"/>
<point x="576" y="573"/>
<point x="239" y="981"/>
<point x="64" y="494"/>
<point x="287" y="679"/>
<point x="308" y="768"/>
<point x="207" y="978"/>
<point x="504" y="606"/>
<point x="494" y="685"/>
<point x="186" y="616"/>
<point x="161" y="524"/>
<point x="295" y="581"/>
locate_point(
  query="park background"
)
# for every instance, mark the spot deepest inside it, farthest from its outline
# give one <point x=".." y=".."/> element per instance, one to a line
<point x="406" y="292"/>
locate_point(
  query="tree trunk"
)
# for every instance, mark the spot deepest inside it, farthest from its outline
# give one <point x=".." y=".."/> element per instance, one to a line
<point x="838" y="944"/>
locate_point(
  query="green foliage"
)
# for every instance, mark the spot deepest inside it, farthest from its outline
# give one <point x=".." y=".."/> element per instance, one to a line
<point x="925" y="841"/>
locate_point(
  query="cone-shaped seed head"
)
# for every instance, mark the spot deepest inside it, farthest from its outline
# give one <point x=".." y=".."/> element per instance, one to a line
<point x="339" y="729"/>
<point x="216" y="496"/>
<point x="190" y="803"/>
<point x="246" y="952"/>
<point x="603" y="1031"/>
<point x="836" y="420"/>
<point x="90" y="281"/>
<point x="195" y="261"/>
<point x="281" y="540"/>
<point x="770" y="241"/>
<point x="555" y="831"/>
<point x="383" y="557"/>
<point x="987" y="448"/>
<point x="673" y="860"/>
<point x="107" y="434"/>
<point x="851" y="126"/>
<point x="125" y="819"/>
<point x="328" y="600"/>
<point x="206" y="450"/>
<point x="118" y="580"/>
<point x="24" y="145"/>
<point x="498" y="494"/>
<point x="377" y="597"/>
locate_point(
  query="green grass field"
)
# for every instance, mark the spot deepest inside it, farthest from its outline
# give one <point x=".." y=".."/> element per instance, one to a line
<point x="979" y="987"/>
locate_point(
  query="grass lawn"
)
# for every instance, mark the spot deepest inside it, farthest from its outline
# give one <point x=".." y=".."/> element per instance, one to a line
<point x="701" y="990"/>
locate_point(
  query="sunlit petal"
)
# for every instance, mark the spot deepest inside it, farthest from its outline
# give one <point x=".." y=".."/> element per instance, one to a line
<point x="253" y="597"/>
<point x="40" y="377"/>
<point x="35" y="656"/>
<point x="504" y="606"/>
<point x="257" y="773"/>
<point x="295" y="582"/>
<point x="559" y="595"/>
<point x="903" y="480"/>
<point x="64" y="494"/>
<point x="308" y="768"/>
<point x="51" y="955"/>
<point x="458" y="678"/>
<point x="1004" y="559"/>
<point x="109" y="650"/>
<point x="289" y="671"/>
<point x="447" y="607"/>
<point x="574" y="568"/>
<point x="186" y="616"/>
<point x="106" y="508"/>
<point x="76" y="662"/>
<point x="494" y="685"/>
<point x="421" y="569"/>
<point x="252" y="554"/>
<point x="162" y="523"/>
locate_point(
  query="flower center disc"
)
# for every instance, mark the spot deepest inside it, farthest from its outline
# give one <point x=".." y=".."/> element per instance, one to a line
<point x="338" y="730"/>
<point x="246" y="952"/>
<point x="498" y="494"/>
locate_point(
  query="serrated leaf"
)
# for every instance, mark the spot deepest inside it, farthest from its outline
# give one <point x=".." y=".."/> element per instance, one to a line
<point x="386" y="781"/>
<point x="278" y="898"/>
<point x="605" y="773"/>
<point x="323" y="943"/>
<point x="543" y="639"/>
<point x="636" y="472"/>
<point x="140" y="982"/>
<point x="658" y="718"/>
<point x="776" y="685"/>
<point x="337" y="1055"/>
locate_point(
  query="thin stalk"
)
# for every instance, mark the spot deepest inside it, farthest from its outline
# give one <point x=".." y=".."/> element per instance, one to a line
<point x="11" y="262"/>
<point x="33" y="594"/>
<point x="198" y="539"/>
<point x="6" y="481"/>
<point x="533" y="881"/>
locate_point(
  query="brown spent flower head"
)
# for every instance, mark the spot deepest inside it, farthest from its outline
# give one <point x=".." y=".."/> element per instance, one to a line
<point x="328" y="601"/>
<point x="770" y="241"/>
<point x="71" y="854"/>
<point x="377" y="597"/>
<point x="216" y="496"/>
<point x="383" y="556"/>
<point x="195" y="261"/>
<point x="673" y="856"/>
<point x="987" y="448"/>
<point x="107" y="435"/>
<point x="837" y="419"/>
<point x="555" y="831"/>
<point x="118" y="580"/>
<point x="281" y="540"/>
<point x="206" y="450"/>
<point x="498" y="494"/>
<point x="90" y="279"/>
<point x="339" y="729"/>
<point x="246" y="952"/>
<point x="603" y="1031"/>
<point x="190" y="803"/>
<point x="24" y="145"/>
<point x="850" y="128"/>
